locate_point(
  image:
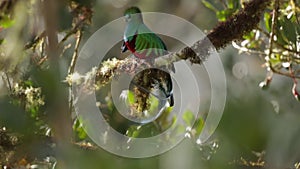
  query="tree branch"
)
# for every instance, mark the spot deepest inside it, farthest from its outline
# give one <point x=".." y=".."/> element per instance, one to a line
<point x="223" y="34"/>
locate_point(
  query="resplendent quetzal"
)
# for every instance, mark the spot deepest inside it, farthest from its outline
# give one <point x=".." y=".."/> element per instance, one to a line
<point x="146" y="46"/>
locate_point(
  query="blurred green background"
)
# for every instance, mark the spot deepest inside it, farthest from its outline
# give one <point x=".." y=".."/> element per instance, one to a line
<point x="259" y="128"/>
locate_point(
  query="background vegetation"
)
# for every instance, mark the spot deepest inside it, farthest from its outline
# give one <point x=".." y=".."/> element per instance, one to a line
<point x="39" y="39"/>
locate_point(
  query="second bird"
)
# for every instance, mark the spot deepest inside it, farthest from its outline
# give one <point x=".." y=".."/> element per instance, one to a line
<point x="146" y="46"/>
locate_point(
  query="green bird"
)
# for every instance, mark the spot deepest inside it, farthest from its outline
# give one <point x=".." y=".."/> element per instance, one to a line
<point x="146" y="46"/>
<point x="139" y="39"/>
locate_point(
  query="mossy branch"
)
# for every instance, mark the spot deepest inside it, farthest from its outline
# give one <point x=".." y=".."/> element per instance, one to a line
<point x="223" y="34"/>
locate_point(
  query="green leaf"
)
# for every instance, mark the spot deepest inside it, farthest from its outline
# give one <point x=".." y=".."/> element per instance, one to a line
<point x="80" y="132"/>
<point x="198" y="126"/>
<point x="142" y="131"/>
<point x="289" y="30"/>
<point x="231" y="4"/>
<point x="164" y="119"/>
<point x="249" y="36"/>
<point x="133" y="131"/>
<point x="188" y="117"/>
<point x="28" y="83"/>
<point x="154" y="102"/>
<point x="174" y="122"/>
<point x="286" y="31"/>
<point x="267" y="18"/>
<point x="33" y="110"/>
<point x="131" y="97"/>
<point x="209" y="6"/>
<point x="180" y="129"/>
<point x="6" y="22"/>
<point x="275" y="60"/>
<point x="224" y="14"/>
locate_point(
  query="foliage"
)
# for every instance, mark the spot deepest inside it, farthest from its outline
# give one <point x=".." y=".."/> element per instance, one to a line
<point x="24" y="63"/>
<point x="29" y="88"/>
<point x="276" y="40"/>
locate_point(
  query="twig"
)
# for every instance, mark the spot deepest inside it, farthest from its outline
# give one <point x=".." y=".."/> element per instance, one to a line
<point x="271" y="43"/>
<point x="42" y="60"/>
<point x="277" y="43"/>
<point x="8" y="82"/>
<point x="297" y="33"/>
<point x="295" y="7"/>
<point x="75" y="54"/>
<point x="35" y="41"/>
<point x="285" y="74"/>
<point x="70" y="33"/>
<point x="44" y="55"/>
<point x="73" y="30"/>
<point x="66" y="47"/>
<point x="247" y="50"/>
<point x="272" y="33"/>
<point x="72" y="66"/>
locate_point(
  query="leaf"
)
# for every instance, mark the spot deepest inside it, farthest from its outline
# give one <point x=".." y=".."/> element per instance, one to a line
<point x="275" y="60"/>
<point x="174" y="122"/>
<point x="28" y="83"/>
<point x="142" y="131"/>
<point x="209" y="6"/>
<point x="198" y="126"/>
<point x="179" y="129"/>
<point x="164" y="119"/>
<point x="6" y="22"/>
<point x="188" y="117"/>
<point x="231" y="4"/>
<point x="154" y="103"/>
<point x="131" y="97"/>
<point x="249" y="36"/>
<point x="33" y="110"/>
<point x="224" y="14"/>
<point x="80" y="132"/>
<point x="288" y="30"/>
<point x="267" y="18"/>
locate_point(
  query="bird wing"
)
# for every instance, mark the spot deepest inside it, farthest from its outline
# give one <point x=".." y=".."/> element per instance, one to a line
<point x="149" y="41"/>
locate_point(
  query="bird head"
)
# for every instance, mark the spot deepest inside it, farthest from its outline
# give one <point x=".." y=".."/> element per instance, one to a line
<point x="133" y="14"/>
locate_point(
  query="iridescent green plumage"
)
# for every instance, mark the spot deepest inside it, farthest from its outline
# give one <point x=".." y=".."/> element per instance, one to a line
<point x="139" y="39"/>
<point x="132" y="10"/>
<point x="146" y="45"/>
